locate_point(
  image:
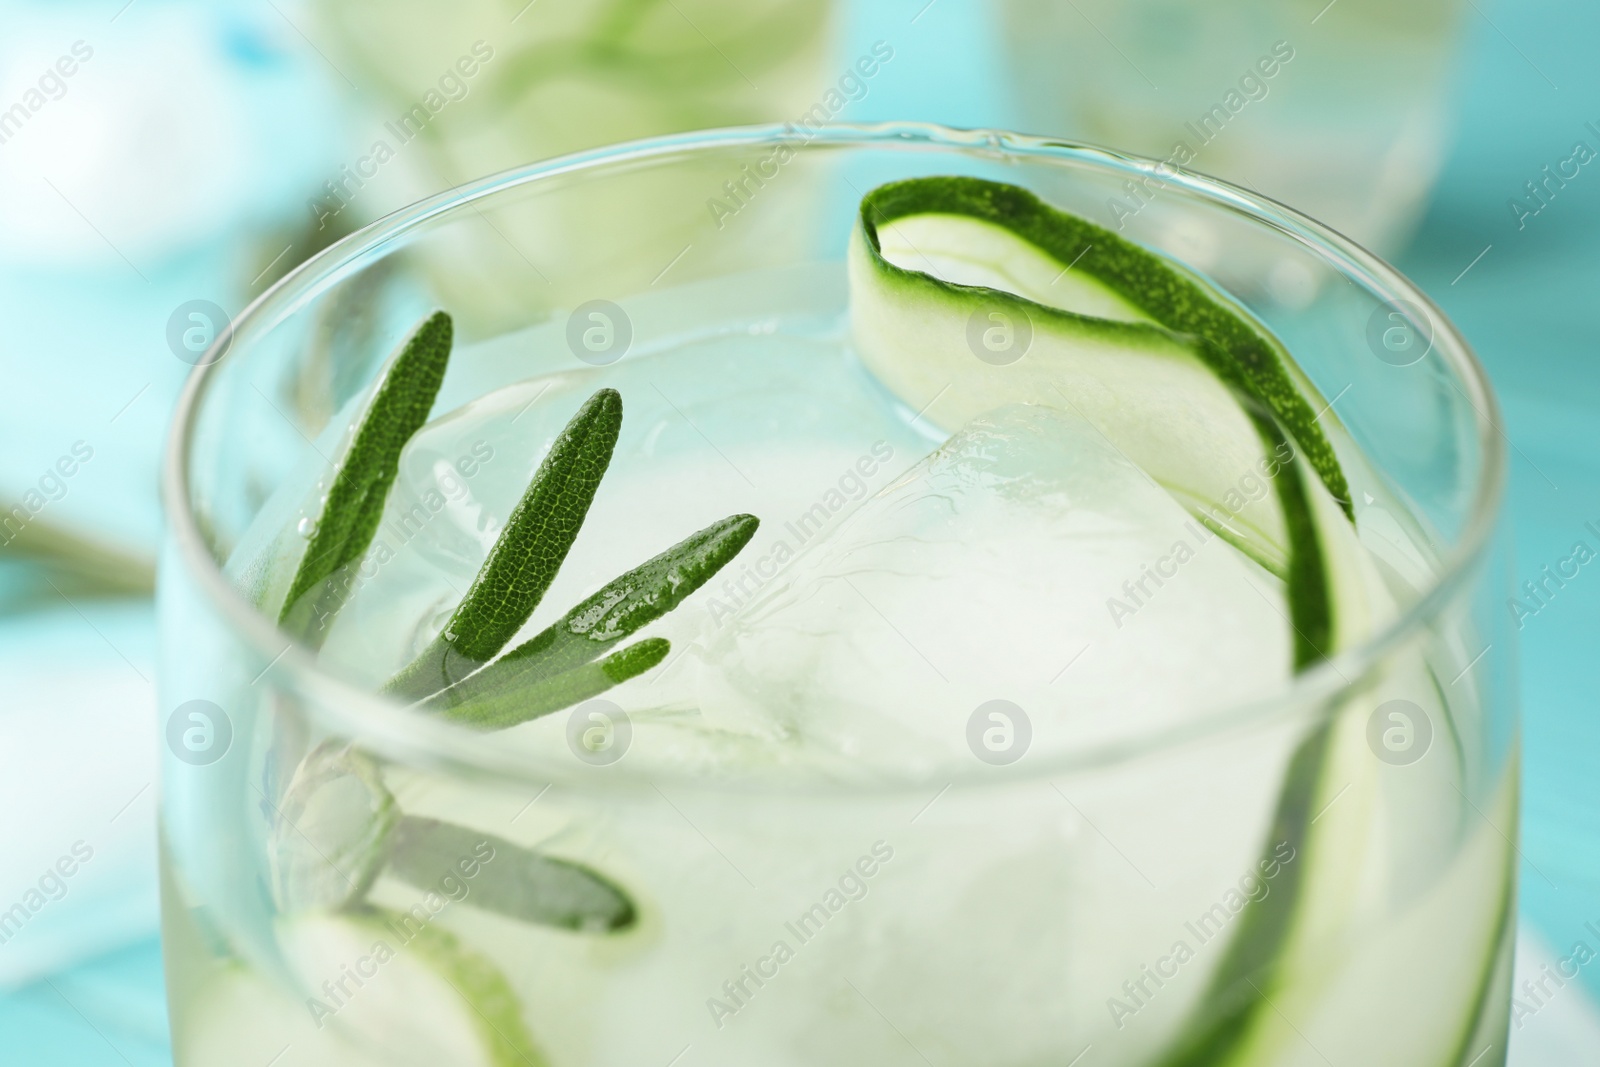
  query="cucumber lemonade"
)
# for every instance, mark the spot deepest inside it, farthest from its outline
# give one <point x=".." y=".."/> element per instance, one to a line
<point x="874" y="632"/>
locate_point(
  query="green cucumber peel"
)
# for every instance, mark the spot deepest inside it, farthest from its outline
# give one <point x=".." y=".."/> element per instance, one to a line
<point x="1161" y="320"/>
<point x="1310" y="599"/>
<point x="1149" y="282"/>
<point x="482" y="987"/>
<point x="1234" y="996"/>
<point x="1190" y="337"/>
<point x="1488" y="1015"/>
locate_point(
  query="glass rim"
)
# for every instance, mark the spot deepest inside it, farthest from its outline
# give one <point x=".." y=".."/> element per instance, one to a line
<point x="416" y="740"/>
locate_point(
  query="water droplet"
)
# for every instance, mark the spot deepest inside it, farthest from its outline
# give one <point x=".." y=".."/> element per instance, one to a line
<point x="306" y="527"/>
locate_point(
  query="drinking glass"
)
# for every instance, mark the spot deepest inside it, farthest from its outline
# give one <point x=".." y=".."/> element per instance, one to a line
<point x="1339" y="109"/>
<point x="476" y="87"/>
<point x="1319" y="873"/>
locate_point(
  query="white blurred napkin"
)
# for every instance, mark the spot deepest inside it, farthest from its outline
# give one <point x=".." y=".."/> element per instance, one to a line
<point x="1561" y="1026"/>
<point x="77" y="784"/>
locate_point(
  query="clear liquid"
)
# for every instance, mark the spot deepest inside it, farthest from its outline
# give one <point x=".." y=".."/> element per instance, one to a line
<point x="831" y="914"/>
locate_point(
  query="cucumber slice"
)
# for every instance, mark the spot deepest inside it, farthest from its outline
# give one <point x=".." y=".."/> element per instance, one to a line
<point x="931" y="257"/>
<point x="1184" y="382"/>
<point x="331" y="830"/>
<point x="1425" y="976"/>
<point x="1178" y="378"/>
<point x="1401" y="887"/>
<point x="1111" y="270"/>
<point x="240" y="1017"/>
<point x="427" y="1001"/>
<point x="406" y="988"/>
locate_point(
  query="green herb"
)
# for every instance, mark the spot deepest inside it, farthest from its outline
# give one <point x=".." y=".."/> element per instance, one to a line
<point x="454" y="675"/>
<point x="338" y="827"/>
<point x="513" y="881"/>
<point x="623" y="606"/>
<point x="525" y="558"/>
<point x="355" y="501"/>
<point x="530" y="698"/>
<point x="76" y="562"/>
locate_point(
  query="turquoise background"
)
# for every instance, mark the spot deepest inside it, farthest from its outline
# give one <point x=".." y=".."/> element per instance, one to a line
<point x="1527" y="84"/>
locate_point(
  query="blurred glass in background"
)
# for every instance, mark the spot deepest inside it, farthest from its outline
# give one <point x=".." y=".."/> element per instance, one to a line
<point x="545" y="79"/>
<point x="455" y="93"/>
<point x="1344" y="118"/>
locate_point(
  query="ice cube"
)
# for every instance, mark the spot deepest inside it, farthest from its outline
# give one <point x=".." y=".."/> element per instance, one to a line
<point x="1027" y="561"/>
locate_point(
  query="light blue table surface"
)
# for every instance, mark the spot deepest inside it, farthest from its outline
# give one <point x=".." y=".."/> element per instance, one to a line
<point x="1528" y="84"/>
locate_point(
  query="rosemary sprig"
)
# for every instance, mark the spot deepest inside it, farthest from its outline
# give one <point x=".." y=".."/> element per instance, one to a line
<point x="457" y="676"/>
<point x="531" y="698"/>
<point x="519" y="884"/>
<point x="560" y="654"/>
<point x="527" y="555"/>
